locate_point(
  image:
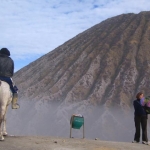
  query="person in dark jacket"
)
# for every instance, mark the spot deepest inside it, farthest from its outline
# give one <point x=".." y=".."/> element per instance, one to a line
<point x="6" y="73"/>
<point x="140" y="119"/>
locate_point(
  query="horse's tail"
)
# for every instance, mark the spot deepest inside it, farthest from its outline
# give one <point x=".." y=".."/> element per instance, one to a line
<point x="0" y="82"/>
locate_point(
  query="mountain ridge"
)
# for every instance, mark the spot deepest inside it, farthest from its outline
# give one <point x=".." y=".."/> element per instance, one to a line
<point x="103" y="63"/>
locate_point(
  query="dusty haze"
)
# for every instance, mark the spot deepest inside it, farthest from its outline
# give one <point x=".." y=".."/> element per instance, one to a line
<point x="53" y="119"/>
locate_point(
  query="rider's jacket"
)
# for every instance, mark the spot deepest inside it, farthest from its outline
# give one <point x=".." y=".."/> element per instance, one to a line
<point x="6" y="66"/>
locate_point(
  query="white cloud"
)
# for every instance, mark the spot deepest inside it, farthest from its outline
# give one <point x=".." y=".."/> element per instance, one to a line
<point x="35" y="27"/>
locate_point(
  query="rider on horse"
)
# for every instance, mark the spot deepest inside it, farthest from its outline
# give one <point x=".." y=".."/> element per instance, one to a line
<point x="6" y="73"/>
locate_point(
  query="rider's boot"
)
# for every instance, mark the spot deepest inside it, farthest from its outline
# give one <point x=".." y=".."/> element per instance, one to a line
<point x="14" y="101"/>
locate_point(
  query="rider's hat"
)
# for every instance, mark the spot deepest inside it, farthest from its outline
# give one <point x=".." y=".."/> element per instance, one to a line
<point x="5" y="51"/>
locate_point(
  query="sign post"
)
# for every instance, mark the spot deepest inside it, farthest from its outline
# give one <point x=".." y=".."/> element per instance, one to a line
<point x="76" y="122"/>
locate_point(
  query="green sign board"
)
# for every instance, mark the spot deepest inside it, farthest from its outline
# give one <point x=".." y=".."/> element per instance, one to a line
<point x="76" y="122"/>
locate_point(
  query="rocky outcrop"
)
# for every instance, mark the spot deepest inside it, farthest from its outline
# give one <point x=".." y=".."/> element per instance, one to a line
<point x="106" y="64"/>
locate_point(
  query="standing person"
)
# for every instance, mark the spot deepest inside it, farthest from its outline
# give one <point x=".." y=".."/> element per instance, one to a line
<point x="140" y="119"/>
<point x="6" y="73"/>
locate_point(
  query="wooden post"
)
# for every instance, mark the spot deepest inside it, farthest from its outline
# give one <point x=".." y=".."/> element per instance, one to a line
<point x="83" y="130"/>
<point x="71" y="126"/>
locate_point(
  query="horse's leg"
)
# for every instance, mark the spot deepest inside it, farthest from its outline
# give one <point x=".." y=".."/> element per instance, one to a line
<point x="4" y="123"/>
<point x="2" y="112"/>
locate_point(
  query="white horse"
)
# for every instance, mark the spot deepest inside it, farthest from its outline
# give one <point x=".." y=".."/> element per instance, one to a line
<point x="5" y="100"/>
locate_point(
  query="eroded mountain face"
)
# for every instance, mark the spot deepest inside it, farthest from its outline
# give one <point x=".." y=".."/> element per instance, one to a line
<point x="107" y="64"/>
<point x="105" y="67"/>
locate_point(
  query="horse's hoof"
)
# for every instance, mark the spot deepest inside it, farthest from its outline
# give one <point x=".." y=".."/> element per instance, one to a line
<point x="5" y="134"/>
<point x="2" y="138"/>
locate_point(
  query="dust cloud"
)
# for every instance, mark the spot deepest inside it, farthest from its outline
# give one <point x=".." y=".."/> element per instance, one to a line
<point x="43" y="118"/>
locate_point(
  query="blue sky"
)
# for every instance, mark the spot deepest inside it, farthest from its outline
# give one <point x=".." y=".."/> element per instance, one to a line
<point x="32" y="28"/>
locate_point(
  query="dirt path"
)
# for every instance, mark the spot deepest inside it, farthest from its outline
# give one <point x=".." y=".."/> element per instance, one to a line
<point x="51" y="143"/>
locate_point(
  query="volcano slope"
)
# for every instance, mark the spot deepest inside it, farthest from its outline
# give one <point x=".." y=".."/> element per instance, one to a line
<point x="95" y="72"/>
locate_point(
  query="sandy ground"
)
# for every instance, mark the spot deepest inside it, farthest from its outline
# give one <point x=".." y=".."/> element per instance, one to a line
<point x="52" y="143"/>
